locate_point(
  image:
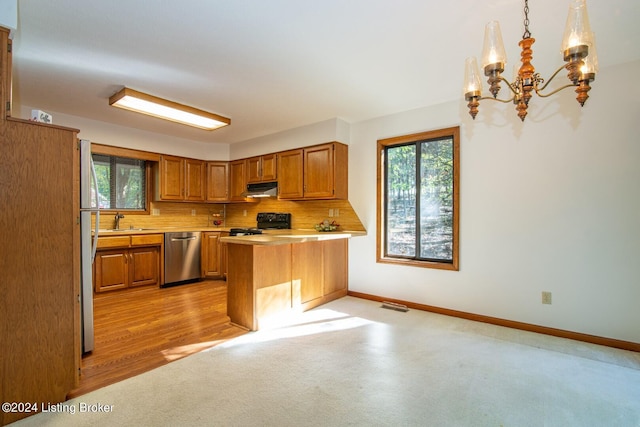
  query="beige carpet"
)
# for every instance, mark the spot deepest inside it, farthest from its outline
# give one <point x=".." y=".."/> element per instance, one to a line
<point x="352" y="363"/>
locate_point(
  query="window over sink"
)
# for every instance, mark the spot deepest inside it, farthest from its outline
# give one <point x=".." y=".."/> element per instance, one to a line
<point x="122" y="183"/>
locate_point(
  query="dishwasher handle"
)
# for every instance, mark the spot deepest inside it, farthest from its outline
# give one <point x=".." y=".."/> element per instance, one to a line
<point x="180" y="239"/>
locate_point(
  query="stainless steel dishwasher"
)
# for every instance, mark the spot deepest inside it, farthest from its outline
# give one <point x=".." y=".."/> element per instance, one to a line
<point x="181" y="257"/>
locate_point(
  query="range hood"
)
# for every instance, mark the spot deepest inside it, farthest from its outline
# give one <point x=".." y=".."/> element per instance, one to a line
<point x="262" y="189"/>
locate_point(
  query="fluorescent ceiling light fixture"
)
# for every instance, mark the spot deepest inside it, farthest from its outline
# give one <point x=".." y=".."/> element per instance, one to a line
<point x="150" y="105"/>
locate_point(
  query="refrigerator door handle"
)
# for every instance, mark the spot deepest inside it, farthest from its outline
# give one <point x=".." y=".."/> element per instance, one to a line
<point x="94" y="246"/>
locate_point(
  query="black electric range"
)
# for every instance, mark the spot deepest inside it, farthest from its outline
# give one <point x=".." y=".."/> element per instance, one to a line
<point x="265" y="221"/>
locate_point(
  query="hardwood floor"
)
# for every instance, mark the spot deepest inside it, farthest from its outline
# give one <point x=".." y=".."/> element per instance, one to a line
<point x="141" y="329"/>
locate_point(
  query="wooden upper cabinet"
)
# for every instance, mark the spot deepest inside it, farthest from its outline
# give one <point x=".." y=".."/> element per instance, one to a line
<point x="237" y="180"/>
<point x="171" y="178"/>
<point x="270" y="167"/>
<point x="262" y="168"/>
<point x="311" y="173"/>
<point x="195" y="180"/>
<point x="317" y="172"/>
<point x="181" y="179"/>
<point x="217" y="181"/>
<point x="290" y="182"/>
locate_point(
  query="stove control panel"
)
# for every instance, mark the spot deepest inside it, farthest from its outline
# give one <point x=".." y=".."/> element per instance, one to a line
<point x="273" y="220"/>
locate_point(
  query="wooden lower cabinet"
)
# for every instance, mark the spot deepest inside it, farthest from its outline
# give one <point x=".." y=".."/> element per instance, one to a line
<point x="111" y="270"/>
<point x="307" y="272"/>
<point x="126" y="268"/>
<point x="265" y="281"/>
<point x="335" y="256"/>
<point x="128" y="261"/>
<point x="213" y="255"/>
<point x="320" y="272"/>
<point x="144" y="266"/>
<point x="258" y="283"/>
<point x="224" y="257"/>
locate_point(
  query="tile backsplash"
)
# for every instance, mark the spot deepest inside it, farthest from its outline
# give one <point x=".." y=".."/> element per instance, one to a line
<point x="304" y="214"/>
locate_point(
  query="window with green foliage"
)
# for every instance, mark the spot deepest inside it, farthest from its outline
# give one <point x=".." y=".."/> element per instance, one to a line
<point x="418" y="199"/>
<point x="121" y="182"/>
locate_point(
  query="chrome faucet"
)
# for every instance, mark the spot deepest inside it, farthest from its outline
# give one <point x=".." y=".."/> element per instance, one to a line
<point x="117" y="218"/>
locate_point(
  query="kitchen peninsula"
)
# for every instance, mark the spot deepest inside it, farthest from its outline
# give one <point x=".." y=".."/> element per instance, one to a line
<point x="283" y="272"/>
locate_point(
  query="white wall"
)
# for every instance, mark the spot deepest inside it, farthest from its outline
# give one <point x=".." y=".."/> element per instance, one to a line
<point x="316" y="133"/>
<point x="552" y="204"/>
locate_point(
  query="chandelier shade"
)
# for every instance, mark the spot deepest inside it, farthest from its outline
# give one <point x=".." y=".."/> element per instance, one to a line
<point x="577" y="31"/>
<point x="493" y="49"/>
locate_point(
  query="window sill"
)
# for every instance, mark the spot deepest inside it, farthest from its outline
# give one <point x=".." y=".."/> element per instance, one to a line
<point x="422" y="264"/>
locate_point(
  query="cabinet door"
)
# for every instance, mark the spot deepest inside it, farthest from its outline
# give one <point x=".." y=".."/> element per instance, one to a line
<point x="335" y="265"/>
<point x="318" y="171"/>
<point x="290" y="182"/>
<point x="211" y="254"/>
<point x="237" y="180"/>
<point x="143" y="266"/>
<point x="171" y="178"/>
<point x="217" y="181"/>
<point x="254" y="166"/>
<point x="111" y="268"/>
<point x="262" y="168"/>
<point x="224" y="258"/>
<point x="269" y="170"/>
<point x="195" y="172"/>
<point x="307" y="270"/>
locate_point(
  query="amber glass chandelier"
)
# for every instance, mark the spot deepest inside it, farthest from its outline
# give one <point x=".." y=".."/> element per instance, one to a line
<point x="578" y="47"/>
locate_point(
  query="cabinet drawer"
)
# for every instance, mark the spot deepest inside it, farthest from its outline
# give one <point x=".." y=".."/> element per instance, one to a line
<point x="114" y="242"/>
<point x="147" y="239"/>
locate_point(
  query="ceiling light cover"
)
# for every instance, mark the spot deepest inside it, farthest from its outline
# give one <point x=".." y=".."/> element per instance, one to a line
<point x="150" y="105"/>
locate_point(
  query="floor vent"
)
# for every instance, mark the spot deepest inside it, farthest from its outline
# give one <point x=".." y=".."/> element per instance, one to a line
<point x="394" y="306"/>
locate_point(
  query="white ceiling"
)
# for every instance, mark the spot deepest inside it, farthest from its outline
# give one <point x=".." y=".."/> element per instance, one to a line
<point x="272" y="65"/>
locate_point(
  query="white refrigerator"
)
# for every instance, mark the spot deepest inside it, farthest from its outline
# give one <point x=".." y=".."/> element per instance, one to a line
<point x="88" y="240"/>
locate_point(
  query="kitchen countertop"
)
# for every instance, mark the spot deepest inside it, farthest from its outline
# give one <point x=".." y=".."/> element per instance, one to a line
<point x="157" y="230"/>
<point x="280" y="237"/>
<point x="269" y="237"/>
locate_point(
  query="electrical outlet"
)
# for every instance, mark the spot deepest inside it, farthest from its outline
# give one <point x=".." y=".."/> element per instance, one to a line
<point x="155" y="212"/>
<point x="330" y="213"/>
<point x="337" y="212"/>
<point x="244" y="212"/>
<point x="193" y="212"/>
<point x="546" y="297"/>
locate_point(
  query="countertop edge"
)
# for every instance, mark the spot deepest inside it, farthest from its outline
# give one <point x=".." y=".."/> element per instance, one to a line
<point x="269" y="237"/>
<point x="281" y="237"/>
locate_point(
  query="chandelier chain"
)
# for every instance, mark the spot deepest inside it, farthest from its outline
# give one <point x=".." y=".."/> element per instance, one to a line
<point x="527" y="33"/>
